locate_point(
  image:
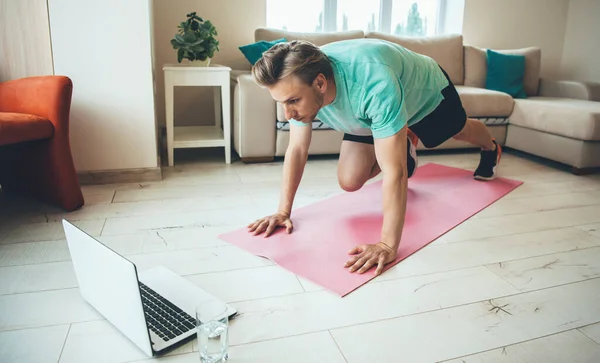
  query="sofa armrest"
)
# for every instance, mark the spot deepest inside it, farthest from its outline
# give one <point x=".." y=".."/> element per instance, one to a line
<point x="235" y="73"/>
<point x="589" y="91"/>
<point x="254" y="118"/>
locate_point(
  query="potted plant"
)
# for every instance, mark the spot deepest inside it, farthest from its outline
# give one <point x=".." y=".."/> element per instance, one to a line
<point x="195" y="40"/>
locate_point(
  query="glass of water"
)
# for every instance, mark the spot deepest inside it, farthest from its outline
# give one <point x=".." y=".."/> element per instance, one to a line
<point x="212" y="325"/>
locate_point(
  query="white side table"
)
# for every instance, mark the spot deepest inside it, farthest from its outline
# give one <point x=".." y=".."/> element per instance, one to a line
<point x="199" y="136"/>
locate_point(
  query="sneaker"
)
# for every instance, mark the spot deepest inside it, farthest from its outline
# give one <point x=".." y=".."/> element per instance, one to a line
<point x="412" y="161"/>
<point x="488" y="164"/>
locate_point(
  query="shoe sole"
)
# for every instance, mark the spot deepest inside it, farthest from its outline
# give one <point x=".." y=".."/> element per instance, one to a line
<point x="486" y="178"/>
<point x="495" y="169"/>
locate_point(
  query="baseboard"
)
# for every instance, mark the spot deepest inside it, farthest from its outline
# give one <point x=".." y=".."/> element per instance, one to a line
<point x="120" y="176"/>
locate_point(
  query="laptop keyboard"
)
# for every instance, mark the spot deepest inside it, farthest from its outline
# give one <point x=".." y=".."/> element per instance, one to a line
<point x="165" y="319"/>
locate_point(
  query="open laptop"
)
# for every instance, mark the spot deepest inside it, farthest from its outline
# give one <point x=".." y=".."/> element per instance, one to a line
<point x="155" y="309"/>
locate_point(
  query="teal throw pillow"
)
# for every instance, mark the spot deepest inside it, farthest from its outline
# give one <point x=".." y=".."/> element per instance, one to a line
<point x="253" y="52"/>
<point x="505" y="73"/>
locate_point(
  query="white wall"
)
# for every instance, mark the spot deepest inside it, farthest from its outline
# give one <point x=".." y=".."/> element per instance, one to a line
<point x="105" y="48"/>
<point x="508" y="24"/>
<point x="581" y="52"/>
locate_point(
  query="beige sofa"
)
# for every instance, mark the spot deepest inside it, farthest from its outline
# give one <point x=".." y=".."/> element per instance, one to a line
<point x="559" y="120"/>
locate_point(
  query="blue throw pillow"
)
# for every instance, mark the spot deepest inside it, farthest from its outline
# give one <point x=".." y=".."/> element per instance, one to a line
<point x="253" y="52"/>
<point x="505" y="73"/>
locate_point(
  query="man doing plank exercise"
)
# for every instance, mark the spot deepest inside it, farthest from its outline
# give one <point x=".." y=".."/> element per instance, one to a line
<point x="384" y="98"/>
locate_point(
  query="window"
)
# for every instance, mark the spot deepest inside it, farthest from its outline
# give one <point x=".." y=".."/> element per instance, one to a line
<point x="410" y="18"/>
<point x="398" y="17"/>
<point x="305" y="18"/>
<point x="357" y="14"/>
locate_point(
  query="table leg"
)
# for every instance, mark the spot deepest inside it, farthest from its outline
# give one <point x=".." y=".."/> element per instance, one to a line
<point x="169" y="118"/>
<point x="226" y="104"/>
<point x="217" y="95"/>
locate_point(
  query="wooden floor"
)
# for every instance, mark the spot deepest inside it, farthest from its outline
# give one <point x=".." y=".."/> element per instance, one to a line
<point x="518" y="282"/>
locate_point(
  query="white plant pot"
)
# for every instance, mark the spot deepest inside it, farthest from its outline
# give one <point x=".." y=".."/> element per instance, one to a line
<point x="200" y="63"/>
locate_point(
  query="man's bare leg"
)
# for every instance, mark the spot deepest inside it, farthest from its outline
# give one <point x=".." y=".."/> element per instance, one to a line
<point x="476" y="133"/>
<point x="357" y="165"/>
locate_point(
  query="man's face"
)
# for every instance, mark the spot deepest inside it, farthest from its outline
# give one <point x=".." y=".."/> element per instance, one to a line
<point x="300" y="101"/>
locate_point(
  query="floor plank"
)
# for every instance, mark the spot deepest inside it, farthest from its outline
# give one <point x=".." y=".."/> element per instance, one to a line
<point x="593" y="229"/>
<point x="234" y="218"/>
<point x="187" y="203"/>
<point x="476" y="327"/>
<point x="570" y="346"/>
<point x="39" y="277"/>
<point x="437" y="258"/>
<point x="45" y="308"/>
<point x="540" y="272"/>
<point x="202" y="260"/>
<point x="307" y="348"/>
<point x="592" y="331"/>
<point x="554" y="187"/>
<point x="312" y="312"/>
<point x="541" y="203"/>
<point x="249" y="284"/>
<point x="28" y="253"/>
<point x="40" y="345"/>
<point x="522" y="223"/>
<point x="99" y="342"/>
<point x="35" y="232"/>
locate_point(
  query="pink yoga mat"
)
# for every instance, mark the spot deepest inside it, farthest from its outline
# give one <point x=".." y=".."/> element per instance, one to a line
<point x="439" y="198"/>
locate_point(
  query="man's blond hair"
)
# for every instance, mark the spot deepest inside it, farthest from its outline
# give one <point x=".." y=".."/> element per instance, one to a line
<point x="297" y="57"/>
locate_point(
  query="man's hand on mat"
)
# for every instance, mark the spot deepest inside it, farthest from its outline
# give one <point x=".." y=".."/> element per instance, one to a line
<point x="366" y="256"/>
<point x="269" y="223"/>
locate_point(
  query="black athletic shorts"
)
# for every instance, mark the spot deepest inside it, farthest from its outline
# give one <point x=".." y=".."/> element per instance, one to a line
<point x="447" y="120"/>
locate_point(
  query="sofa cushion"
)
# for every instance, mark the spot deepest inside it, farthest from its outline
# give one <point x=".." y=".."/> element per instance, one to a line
<point x="19" y="127"/>
<point x="253" y="52"/>
<point x="576" y="119"/>
<point x="481" y="102"/>
<point x="318" y="39"/>
<point x="505" y="73"/>
<point x="476" y="67"/>
<point x="446" y="50"/>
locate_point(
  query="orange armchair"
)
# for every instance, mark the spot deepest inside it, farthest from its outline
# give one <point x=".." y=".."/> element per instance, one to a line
<point x="35" y="152"/>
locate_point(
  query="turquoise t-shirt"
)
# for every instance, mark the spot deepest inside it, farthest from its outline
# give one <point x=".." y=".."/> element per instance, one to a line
<point x="380" y="87"/>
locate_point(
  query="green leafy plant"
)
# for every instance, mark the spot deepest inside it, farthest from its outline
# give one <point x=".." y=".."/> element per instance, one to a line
<point x="195" y="39"/>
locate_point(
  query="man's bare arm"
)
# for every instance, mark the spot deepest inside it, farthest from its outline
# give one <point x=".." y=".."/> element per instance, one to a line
<point x="293" y="166"/>
<point x="391" y="156"/>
